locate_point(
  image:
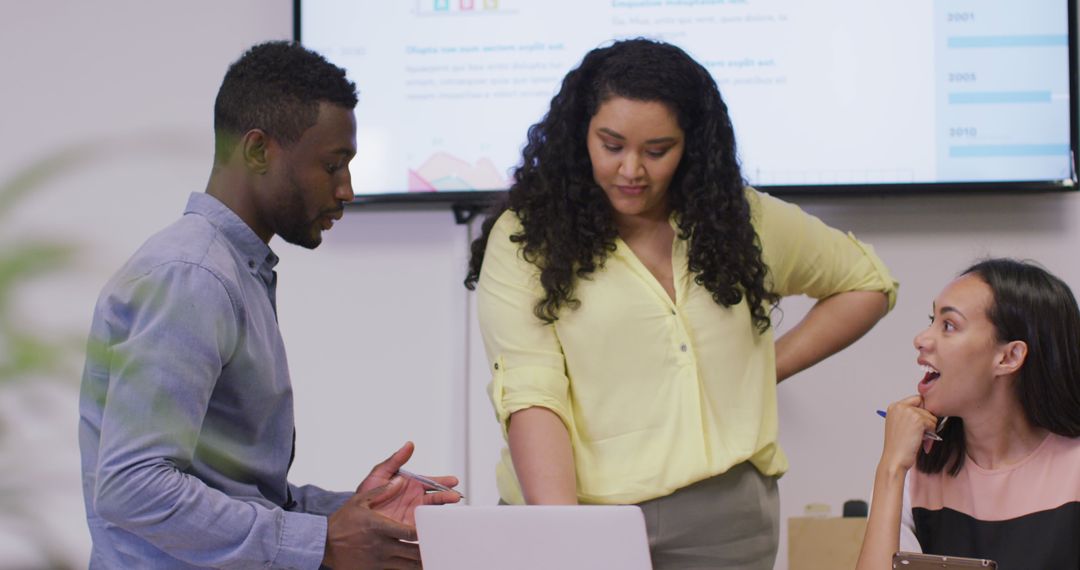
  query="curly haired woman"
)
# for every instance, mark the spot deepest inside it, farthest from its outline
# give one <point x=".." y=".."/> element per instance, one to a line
<point x="624" y="295"/>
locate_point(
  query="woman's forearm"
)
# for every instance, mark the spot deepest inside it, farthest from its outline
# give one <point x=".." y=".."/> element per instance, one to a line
<point x="830" y="326"/>
<point x="882" y="536"/>
<point x="543" y="458"/>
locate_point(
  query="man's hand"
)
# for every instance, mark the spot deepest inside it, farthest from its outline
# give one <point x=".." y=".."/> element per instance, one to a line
<point x="400" y="506"/>
<point x="358" y="537"/>
<point x="366" y="532"/>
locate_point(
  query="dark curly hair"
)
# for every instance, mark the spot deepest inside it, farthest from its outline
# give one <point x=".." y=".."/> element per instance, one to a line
<point x="568" y="226"/>
<point x="1032" y="305"/>
<point x="276" y="86"/>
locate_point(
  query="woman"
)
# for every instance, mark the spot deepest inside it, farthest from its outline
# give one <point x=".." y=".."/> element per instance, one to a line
<point x="1001" y="362"/>
<point x="624" y="296"/>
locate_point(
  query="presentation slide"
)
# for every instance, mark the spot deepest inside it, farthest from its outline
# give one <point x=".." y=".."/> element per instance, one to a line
<point x="830" y="92"/>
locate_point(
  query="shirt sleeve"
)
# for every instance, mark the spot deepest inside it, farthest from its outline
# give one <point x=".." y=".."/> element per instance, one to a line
<point x="524" y="354"/>
<point x="169" y="333"/>
<point x="316" y="500"/>
<point x="807" y="257"/>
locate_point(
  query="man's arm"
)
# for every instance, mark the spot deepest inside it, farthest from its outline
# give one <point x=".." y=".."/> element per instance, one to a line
<point x="165" y="339"/>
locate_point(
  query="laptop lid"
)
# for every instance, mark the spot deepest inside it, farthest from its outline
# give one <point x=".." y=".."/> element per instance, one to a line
<point x="533" y="537"/>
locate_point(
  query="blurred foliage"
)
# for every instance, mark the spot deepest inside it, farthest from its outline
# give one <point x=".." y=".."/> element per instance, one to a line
<point x="25" y="353"/>
<point x="29" y="355"/>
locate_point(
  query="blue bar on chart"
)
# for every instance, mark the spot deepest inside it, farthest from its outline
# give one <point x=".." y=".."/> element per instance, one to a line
<point x="998" y="97"/>
<point x="959" y="42"/>
<point x="1014" y="150"/>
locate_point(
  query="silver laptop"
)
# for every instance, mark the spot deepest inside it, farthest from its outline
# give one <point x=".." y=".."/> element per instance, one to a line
<point x="532" y="538"/>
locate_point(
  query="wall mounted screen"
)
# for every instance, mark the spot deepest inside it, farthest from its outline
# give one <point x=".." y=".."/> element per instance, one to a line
<point x="830" y="95"/>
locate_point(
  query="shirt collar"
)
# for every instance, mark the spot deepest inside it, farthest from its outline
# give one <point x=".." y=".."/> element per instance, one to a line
<point x="260" y="259"/>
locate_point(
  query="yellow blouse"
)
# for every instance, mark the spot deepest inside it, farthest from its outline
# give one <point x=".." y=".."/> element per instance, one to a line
<point x="656" y="394"/>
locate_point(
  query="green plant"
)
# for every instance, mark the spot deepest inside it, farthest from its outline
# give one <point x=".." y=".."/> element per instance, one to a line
<point x="24" y="352"/>
<point x="28" y="354"/>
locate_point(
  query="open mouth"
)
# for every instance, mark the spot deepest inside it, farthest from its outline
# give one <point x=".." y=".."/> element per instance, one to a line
<point x="930" y="375"/>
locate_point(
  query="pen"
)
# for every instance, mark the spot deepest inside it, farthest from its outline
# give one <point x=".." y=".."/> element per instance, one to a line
<point x="926" y="435"/>
<point x="429" y="482"/>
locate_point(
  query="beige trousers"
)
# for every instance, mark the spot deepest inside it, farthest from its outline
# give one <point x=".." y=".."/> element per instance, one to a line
<point x="730" y="521"/>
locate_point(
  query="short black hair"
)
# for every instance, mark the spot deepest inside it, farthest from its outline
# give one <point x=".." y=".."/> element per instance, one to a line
<point x="277" y="87"/>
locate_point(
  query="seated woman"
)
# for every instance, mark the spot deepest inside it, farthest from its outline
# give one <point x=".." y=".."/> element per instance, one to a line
<point x="1001" y="361"/>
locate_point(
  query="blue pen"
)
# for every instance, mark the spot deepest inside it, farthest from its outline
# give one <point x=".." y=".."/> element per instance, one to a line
<point x="926" y="435"/>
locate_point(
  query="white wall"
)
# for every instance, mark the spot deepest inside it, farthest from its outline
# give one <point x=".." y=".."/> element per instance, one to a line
<point x="116" y="98"/>
<point x="119" y="95"/>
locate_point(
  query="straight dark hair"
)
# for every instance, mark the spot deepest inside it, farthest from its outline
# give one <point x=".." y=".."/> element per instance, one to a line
<point x="1030" y="305"/>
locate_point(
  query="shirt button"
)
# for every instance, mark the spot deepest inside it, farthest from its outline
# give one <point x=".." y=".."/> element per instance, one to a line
<point x="682" y="347"/>
<point x="496" y="366"/>
<point x="673" y="311"/>
<point x="251" y="264"/>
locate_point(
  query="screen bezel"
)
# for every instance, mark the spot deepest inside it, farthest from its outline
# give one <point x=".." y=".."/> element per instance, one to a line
<point x="482" y="197"/>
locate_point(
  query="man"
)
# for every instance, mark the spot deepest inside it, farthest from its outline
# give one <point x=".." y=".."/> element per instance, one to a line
<point x="186" y="427"/>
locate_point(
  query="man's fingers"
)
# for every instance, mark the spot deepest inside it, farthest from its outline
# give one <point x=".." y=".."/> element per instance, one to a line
<point x="402" y="564"/>
<point x="396" y="460"/>
<point x="403" y="550"/>
<point x="447" y="480"/>
<point x="442" y="498"/>
<point x="381" y="493"/>
<point x="390" y="528"/>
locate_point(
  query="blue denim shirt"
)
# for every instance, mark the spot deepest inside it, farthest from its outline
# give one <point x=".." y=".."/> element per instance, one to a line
<point x="186" y="409"/>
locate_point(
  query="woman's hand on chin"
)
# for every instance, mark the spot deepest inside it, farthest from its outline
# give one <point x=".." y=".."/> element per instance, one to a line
<point x="905" y="423"/>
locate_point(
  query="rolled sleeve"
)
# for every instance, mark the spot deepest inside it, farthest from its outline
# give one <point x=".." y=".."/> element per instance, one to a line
<point x="526" y="359"/>
<point x="516" y="389"/>
<point x="807" y="257"/>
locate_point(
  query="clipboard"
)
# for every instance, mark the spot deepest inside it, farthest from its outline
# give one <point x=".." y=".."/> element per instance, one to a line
<point x="916" y="561"/>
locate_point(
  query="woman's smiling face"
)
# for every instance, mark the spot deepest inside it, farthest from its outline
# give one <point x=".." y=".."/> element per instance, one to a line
<point x="959" y="351"/>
